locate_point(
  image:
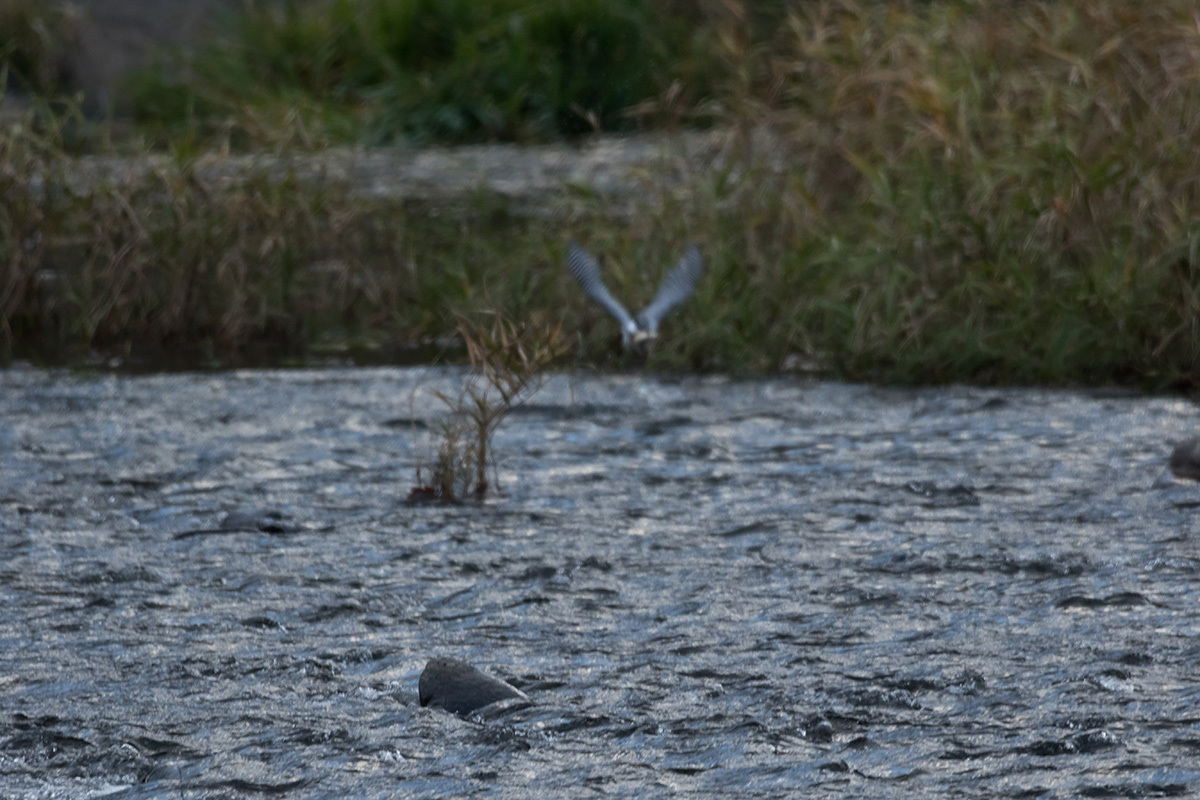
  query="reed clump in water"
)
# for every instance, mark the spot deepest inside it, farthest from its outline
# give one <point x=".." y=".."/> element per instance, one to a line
<point x="508" y="366"/>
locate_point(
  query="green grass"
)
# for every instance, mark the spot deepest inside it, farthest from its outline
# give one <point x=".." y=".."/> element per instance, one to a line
<point x="420" y="70"/>
<point x="975" y="191"/>
<point x="34" y="38"/>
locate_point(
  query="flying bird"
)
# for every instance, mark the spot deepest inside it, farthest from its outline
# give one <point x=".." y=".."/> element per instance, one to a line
<point x="637" y="333"/>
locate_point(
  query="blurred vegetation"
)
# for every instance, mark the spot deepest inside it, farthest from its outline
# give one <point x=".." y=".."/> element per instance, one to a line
<point x="994" y="192"/>
<point x="421" y="70"/>
<point x="921" y="192"/>
<point x="34" y="38"/>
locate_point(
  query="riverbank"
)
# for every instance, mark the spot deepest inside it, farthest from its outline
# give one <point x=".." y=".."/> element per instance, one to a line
<point x="904" y="196"/>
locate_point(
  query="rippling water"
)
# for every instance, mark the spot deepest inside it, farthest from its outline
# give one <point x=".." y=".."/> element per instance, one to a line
<point x="762" y="588"/>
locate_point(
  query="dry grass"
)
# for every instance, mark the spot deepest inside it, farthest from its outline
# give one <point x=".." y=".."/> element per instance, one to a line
<point x="973" y="191"/>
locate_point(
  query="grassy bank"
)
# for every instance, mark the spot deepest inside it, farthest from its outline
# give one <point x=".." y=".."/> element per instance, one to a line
<point x="978" y="192"/>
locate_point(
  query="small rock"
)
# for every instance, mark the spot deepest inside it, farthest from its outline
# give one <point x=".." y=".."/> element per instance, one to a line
<point x="266" y="520"/>
<point x="460" y="688"/>
<point x="1185" y="459"/>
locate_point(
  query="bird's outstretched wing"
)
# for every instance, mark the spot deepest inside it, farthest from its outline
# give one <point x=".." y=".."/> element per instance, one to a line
<point x="676" y="287"/>
<point x="587" y="272"/>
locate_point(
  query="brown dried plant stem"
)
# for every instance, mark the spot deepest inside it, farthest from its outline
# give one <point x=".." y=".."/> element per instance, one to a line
<point x="508" y="360"/>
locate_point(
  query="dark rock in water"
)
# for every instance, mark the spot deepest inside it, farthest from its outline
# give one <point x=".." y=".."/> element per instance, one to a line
<point x="266" y="520"/>
<point x="460" y="688"/>
<point x="1185" y="459"/>
<point x="253" y="520"/>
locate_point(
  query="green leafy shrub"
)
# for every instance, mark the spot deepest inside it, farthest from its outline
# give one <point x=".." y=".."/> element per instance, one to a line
<point x="34" y="37"/>
<point x="447" y="70"/>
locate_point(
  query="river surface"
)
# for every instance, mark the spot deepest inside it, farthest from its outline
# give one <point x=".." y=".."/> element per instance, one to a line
<point x="211" y="587"/>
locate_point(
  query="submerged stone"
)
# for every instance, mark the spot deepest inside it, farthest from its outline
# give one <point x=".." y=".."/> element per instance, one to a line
<point x="460" y="688"/>
<point x="1185" y="459"/>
